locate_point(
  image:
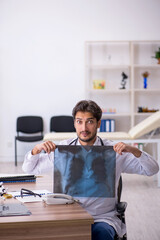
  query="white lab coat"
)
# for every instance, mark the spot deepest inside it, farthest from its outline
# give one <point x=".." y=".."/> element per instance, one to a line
<point x="102" y="209"/>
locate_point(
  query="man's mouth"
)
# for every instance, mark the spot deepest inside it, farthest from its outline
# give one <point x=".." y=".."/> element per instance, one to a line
<point x="85" y="134"/>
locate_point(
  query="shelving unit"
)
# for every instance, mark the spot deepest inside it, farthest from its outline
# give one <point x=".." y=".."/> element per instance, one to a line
<point x="106" y="60"/>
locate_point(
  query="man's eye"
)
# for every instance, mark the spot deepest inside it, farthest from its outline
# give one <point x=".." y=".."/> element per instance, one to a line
<point x="79" y="122"/>
<point x="90" y="121"/>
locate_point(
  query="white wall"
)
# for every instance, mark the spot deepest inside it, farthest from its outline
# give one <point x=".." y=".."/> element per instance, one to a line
<point x="42" y="53"/>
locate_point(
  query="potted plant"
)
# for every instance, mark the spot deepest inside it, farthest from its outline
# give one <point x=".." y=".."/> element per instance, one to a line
<point x="157" y="55"/>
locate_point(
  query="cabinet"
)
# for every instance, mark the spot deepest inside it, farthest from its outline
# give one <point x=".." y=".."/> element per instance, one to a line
<point x="120" y="99"/>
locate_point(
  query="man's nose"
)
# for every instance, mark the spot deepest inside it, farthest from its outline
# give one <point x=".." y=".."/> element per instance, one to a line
<point x="84" y="126"/>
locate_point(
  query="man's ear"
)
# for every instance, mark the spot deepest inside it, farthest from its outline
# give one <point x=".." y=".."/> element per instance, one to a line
<point x="99" y="124"/>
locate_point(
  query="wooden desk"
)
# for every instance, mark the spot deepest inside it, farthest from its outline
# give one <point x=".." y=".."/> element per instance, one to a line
<point x="47" y="222"/>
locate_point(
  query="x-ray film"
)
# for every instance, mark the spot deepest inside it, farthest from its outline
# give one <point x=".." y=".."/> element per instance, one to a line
<point x="85" y="171"/>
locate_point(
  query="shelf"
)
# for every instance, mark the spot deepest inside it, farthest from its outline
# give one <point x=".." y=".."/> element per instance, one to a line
<point x="111" y="91"/>
<point x="106" y="61"/>
<point x="107" y="115"/>
<point x="147" y="90"/>
<point x="112" y="67"/>
<point x="147" y="114"/>
<point x="146" y="66"/>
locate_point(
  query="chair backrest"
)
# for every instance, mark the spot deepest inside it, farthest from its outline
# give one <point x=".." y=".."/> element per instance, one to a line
<point x="29" y="124"/>
<point x="62" y="124"/>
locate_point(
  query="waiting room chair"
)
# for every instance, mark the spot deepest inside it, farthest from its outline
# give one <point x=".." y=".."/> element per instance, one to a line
<point x="121" y="207"/>
<point x="29" y="129"/>
<point x="62" y="124"/>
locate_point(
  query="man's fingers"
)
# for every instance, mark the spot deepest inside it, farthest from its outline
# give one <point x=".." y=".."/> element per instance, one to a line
<point x="49" y="146"/>
<point x="46" y="146"/>
<point x="119" y="147"/>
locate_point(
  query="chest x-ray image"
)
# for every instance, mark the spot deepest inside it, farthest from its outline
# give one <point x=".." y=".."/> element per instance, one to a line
<point x="85" y="171"/>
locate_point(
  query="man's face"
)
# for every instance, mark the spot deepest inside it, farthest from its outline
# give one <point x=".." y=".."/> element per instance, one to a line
<point x="86" y="127"/>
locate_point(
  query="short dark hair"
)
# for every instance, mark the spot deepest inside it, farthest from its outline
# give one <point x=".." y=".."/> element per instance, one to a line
<point x="88" y="106"/>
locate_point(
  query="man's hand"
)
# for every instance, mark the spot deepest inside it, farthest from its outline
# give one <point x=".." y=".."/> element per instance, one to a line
<point x="47" y="146"/>
<point x="122" y="147"/>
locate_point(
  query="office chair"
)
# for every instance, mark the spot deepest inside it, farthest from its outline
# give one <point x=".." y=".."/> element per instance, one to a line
<point x="62" y="124"/>
<point x="28" y="125"/>
<point x="121" y="207"/>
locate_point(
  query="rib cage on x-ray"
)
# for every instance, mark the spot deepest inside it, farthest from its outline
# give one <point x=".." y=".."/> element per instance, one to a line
<point x="85" y="171"/>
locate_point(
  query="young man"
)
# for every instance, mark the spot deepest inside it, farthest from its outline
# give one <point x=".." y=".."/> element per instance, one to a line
<point x="87" y="119"/>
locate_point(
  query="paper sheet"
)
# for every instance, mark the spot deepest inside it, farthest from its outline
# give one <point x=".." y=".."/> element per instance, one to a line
<point x="30" y="198"/>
